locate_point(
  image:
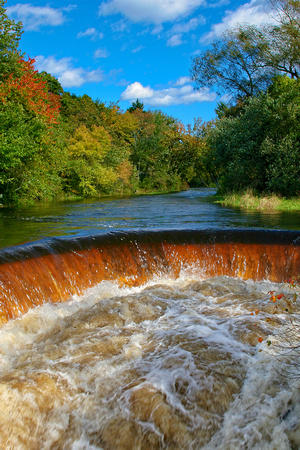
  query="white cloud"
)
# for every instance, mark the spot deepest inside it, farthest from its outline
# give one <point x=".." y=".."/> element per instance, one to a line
<point x="182" y="81"/>
<point x="33" y="17"/>
<point x="179" y="29"/>
<point x="120" y="26"/>
<point x="137" y="90"/>
<point x="158" y="29"/>
<point x="101" y="53"/>
<point x="175" y="40"/>
<point x="150" y="11"/>
<point x="72" y="78"/>
<point x="166" y="97"/>
<point x="253" y="13"/>
<point x="93" y="76"/>
<point x="138" y="49"/>
<point x="52" y="65"/>
<point x="68" y="75"/>
<point x="90" y="32"/>
<point x="186" y="27"/>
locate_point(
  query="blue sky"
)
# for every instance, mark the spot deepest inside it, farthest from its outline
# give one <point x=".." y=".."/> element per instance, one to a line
<point x="121" y="50"/>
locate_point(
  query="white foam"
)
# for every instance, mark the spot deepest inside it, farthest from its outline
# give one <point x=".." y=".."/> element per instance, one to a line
<point x="168" y="337"/>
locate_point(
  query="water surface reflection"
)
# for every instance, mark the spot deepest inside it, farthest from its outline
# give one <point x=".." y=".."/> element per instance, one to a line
<point x="189" y="209"/>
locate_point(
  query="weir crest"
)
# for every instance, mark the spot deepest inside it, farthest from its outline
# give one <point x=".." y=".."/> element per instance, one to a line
<point x="55" y="269"/>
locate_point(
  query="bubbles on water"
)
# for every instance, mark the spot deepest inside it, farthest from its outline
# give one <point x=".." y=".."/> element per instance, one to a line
<point x="174" y="364"/>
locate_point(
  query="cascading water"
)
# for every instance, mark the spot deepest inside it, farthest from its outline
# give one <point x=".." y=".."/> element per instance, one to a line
<point x="53" y="270"/>
<point x="149" y="340"/>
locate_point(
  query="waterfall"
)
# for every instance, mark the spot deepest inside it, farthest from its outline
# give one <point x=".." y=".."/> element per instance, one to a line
<point x="55" y="269"/>
<point x="150" y="339"/>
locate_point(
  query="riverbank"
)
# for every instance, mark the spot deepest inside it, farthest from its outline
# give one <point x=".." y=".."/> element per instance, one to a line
<point x="250" y="201"/>
<point x="78" y="198"/>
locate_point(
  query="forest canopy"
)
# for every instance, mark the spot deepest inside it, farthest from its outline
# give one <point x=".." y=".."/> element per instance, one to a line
<point x="54" y="144"/>
<point x="255" y="140"/>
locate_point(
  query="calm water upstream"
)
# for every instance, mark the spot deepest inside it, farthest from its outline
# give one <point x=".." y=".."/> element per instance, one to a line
<point x="171" y="364"/>
<point x="188" y="209"/>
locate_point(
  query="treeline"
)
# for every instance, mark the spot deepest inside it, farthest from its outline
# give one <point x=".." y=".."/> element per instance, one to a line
<point x="255" y="140"/>
<point x="54" y="144"/>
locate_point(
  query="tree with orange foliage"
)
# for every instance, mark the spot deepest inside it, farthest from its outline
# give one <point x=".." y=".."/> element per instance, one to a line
<point x="31" y="92"/>
<point x="28" y="111"/>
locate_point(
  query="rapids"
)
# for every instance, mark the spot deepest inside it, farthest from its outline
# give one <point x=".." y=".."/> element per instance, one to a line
<point x="159" y="334"/>
<point x="172" y="364"/>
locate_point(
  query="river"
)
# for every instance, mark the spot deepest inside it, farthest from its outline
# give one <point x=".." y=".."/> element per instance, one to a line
<point x="188" y="209"/>
<point x="172" y="362"/>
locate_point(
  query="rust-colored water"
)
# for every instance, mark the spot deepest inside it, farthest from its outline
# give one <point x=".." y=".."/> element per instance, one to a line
<point x="173" y="365"/>
<point x="32" y="275"/>
<point x="148" y="341"/>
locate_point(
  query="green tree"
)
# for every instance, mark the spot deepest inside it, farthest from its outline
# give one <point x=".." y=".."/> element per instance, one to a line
<point x="245" y="59"/>
<point x="279" y="44"/>
<point x="32" y="156"/>
<point x="28" y="111"/>
<point x="10" y="35"/>
<point x="155" y="140"/>
<point x="193" y="156"/>
<point x="232" y="66"/>
<point x="260" y="148"/>
<point x="53" y="85"/>
<point x="121" y="128"/>
<point x="80" y="110"/>
<point x="136" y="105"/>
<point x="87" y="175"/>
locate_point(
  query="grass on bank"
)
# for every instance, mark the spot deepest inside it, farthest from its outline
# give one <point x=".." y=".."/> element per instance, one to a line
<point x="248" y="200"/>
<point x="78" y="198"/>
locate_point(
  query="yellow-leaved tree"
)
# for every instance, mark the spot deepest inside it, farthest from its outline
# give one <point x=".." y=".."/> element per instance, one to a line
<point x="88" y="175"/>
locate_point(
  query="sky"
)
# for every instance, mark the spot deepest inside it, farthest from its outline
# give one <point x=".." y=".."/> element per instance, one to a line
<point x="120" y="50"/>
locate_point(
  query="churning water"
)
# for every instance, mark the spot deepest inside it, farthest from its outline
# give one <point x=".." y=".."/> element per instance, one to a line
<point x="173" y="364"/>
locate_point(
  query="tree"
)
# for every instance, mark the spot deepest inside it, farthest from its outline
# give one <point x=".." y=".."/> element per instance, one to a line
<point x="193" y="156"/>
<point x="155" y="141"/>
<point x="27" y="112"/>
<point x="80" y="110"/>
<point x="136" y="105"/>
<point x="260" y="148"/>
<point x="28" y="89"/>
<point x="283" y="51"/>
<point x="10" y="35"/>
<point x="279" y="44"/>
<point x="231" y="65"/>
<point x="32" y="156"/>
<point x="87" y="174"/>
<point x="245" y="59"/>
<point x="121" y="128"/>
<point x="53" y="85"/>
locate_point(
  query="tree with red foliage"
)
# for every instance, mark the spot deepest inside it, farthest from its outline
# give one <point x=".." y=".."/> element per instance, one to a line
<point x="28" y="114"/>
<point x="31" y="92"/>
